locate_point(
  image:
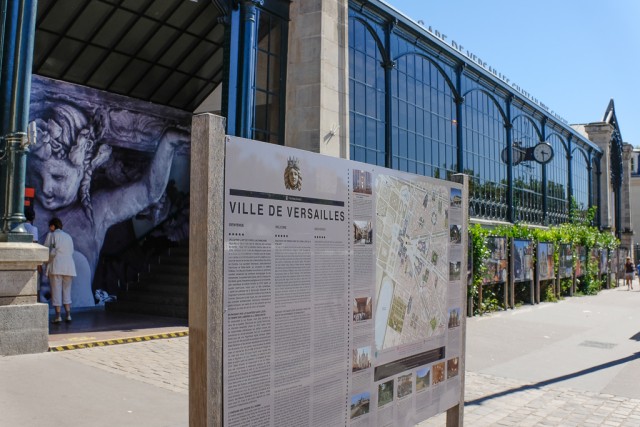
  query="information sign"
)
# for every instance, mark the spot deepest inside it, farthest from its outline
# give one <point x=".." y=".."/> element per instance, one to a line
<point x="344" y="291"/>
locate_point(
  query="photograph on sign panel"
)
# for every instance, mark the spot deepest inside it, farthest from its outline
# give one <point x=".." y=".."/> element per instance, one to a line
<point x="361" y="181"/>
<point x="452" y="367"/>
<point x="385" y="393"/>
<point x="362" y="309"/>
<point x="361" y="358"/>
<point x="438" y="373"/>
<point x="456" y="198"/>
<point x="455" y="269"/>
<point x="455" y="234"/>
<point x="423" y="379"/>
<point x="362" y="232"/>
<point x="454" y="317"/>
<point x="405" y="385"/>
<point x="360" y="404"/>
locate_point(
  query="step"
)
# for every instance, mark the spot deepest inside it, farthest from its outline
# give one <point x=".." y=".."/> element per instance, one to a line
<point x="179" y="251"/>
<point x="154" y="287"/>
<point x="156" y="298"/>
<point x="173" y="260"/>
<point x="164" y="278"/>
<point x="150" y="309"/>
<point x="178" y="269"/>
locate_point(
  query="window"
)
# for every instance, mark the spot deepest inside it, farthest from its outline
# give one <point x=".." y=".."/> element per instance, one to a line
<point x="485" y="138"/>
<point x="580" y="179"/>
<point x="423" y="125"/>
<point x="557" y="185"/>
<point x="366" y="96"/>
<point x="527" y="176"/>
<point x="269" y="90"/>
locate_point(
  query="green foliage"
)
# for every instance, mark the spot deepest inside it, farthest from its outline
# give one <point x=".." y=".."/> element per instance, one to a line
<point x="579" y="231"/>
<point x="565" y="284"/>
<point x="549" y="294"/>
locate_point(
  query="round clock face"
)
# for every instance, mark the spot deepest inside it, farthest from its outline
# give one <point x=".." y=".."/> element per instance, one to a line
<point x="543" y="153"/>
<point x="517" y="155"/>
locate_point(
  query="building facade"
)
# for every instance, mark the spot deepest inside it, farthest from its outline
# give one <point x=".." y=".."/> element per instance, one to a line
<point x="354" y="79"/>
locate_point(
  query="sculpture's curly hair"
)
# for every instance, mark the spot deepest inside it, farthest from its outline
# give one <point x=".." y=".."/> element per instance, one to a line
<point x="65" y="134"/>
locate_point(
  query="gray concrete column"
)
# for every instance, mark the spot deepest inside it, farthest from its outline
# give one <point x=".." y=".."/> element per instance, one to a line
<point x="318" y="77"/>
<point x="626" y="228"/>
<point x="600" y="134"/>
<point x="24" y="323"/>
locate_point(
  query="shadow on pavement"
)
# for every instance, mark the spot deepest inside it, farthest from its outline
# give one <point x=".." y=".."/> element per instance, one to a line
<point x="540" y="384"/>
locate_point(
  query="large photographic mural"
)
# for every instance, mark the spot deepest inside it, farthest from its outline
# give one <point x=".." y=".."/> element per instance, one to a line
<point x="111" y="168"/>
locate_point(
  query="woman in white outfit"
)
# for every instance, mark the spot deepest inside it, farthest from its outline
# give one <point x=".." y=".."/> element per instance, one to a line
<point x="61" y="268"/>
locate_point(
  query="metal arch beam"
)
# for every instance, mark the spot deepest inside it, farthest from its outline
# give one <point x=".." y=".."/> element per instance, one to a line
<point x="451" y="85"/>
<point x="530" y="120"/>
<point x="492" y="98"/>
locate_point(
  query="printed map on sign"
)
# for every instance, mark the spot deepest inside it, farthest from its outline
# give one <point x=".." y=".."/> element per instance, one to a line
<point x="412" y="272"/>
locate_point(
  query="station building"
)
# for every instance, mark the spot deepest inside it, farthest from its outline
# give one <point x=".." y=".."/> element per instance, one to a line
<point x="354" y="79"/>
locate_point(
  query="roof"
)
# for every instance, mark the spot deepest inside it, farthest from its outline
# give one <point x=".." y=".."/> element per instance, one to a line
<point x="168" y="52"/>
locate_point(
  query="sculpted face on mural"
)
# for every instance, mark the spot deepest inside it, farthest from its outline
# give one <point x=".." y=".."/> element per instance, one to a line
<point x="72" y="145"/>
<point x="59" y="181"/>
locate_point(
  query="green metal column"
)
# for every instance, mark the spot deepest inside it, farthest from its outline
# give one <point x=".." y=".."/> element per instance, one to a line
<point x="545" y="200"/>
<point x="459" y="100"/>
<point x="388" y="64"/>
<point x="570" y="173"/>
<point x="508" y="126"/>
<point x="249" y="17"/>
<point x="15" y="87"/>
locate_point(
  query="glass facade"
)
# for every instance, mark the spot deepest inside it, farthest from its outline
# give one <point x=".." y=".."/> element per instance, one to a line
<point x="558" y="181"/>
<point x="484" y="134"/>
<point x="367" y="99"/>
<point x="423" y="121"/>
<point x="527" y="176"/>
<point x="417" y="107"/>
<point x="581" y="179"/>
<point x="270" y="69"/>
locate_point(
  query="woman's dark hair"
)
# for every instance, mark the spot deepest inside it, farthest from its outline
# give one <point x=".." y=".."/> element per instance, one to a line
<point x="29" y="214"/>
<point x="56" y="223"/>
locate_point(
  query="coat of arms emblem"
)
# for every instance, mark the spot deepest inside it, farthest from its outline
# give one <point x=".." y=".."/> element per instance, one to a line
<point x="292" y="175"/>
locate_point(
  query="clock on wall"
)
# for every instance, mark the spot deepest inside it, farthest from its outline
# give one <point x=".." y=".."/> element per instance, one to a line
<point x="543" y="153"/>
<point x="517" y="154"/>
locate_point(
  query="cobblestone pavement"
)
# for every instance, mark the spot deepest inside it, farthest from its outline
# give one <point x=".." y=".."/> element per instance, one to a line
<point x="490" y="400"/>
<point x="163" y="363"/>
<point x="494" y="401"/>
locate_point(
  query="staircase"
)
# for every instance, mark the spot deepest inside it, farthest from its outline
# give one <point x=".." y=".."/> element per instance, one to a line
<point x="162" y="291"/>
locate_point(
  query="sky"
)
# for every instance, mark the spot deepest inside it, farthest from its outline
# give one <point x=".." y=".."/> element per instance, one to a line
<point x="574" y="56"/>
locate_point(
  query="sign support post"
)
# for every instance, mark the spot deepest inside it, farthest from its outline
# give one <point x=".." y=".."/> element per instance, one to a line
<point x="206" y="249"/>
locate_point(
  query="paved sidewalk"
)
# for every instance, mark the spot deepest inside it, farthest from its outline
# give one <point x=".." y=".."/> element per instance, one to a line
<point x="573" y="363"/>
